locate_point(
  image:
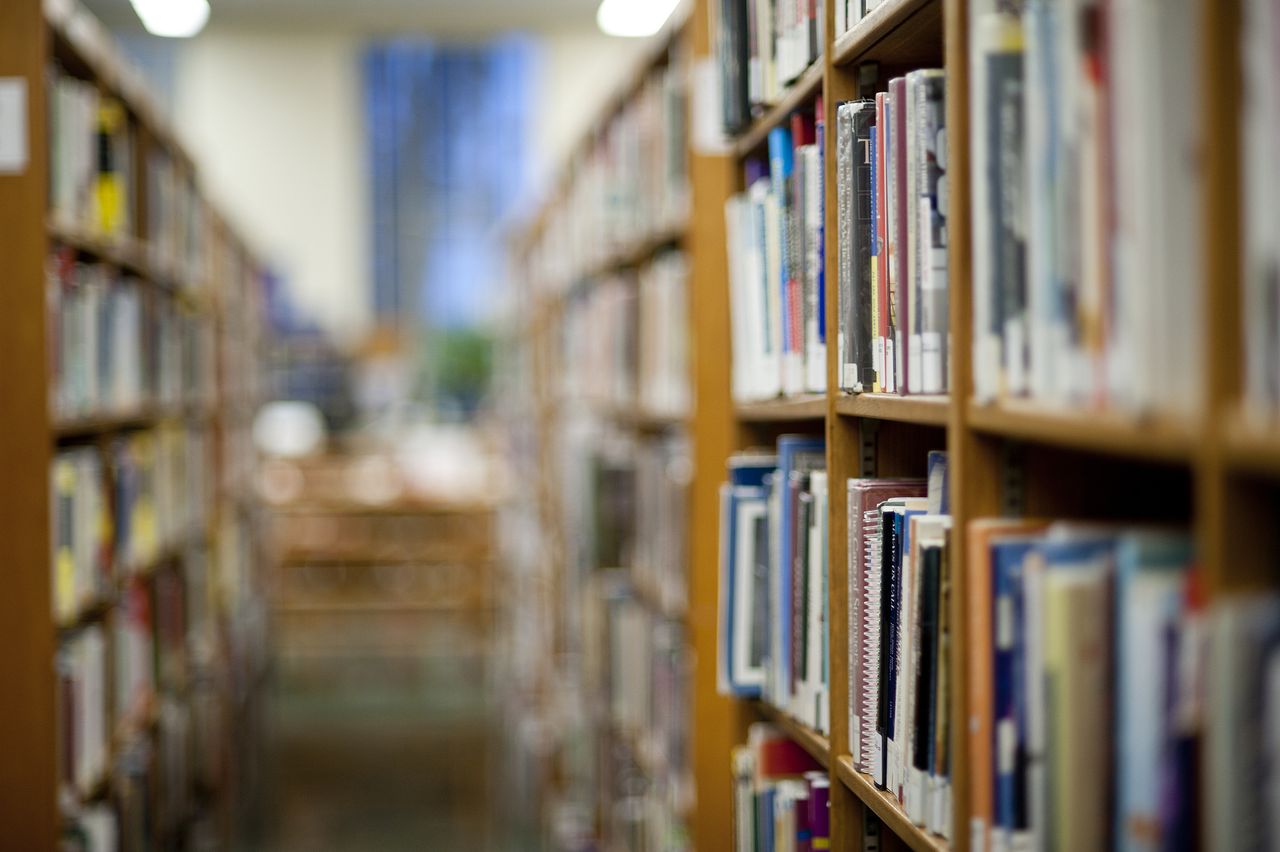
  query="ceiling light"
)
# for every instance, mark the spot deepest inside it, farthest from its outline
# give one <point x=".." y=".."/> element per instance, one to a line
<point x="633" y="18"/>
<point x="172" y="18"/>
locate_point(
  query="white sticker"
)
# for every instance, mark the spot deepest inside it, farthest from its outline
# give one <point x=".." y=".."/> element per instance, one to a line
<point x="13" y="125"/>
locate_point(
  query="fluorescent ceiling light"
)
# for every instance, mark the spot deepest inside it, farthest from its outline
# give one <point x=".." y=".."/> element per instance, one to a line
<point x="633" y="18"/>
<point x="172" y="18"/>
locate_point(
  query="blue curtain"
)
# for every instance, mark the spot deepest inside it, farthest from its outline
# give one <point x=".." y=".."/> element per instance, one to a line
<point x="447" y="129"/>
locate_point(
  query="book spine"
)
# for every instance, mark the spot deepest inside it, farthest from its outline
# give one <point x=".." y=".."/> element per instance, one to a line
<point x="933" y="320"/>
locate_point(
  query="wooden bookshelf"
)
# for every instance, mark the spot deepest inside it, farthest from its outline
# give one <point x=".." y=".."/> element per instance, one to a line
<point x="1217" y="471"/>
<point x="1220" y="464"/>
<point x="577" y="600"/>
<point x="37" y="39"/>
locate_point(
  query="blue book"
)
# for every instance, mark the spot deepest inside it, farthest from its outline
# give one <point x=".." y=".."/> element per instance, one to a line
<point x="781" y="166"/>
<point x="1151" y="572"/>
<point x="1009" y="679"/>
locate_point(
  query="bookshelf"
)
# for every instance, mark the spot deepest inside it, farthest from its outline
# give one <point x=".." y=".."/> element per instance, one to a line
<point x="156" y="433"/>
<point x="603" y="286"/>
<point x="1215" y="470"/>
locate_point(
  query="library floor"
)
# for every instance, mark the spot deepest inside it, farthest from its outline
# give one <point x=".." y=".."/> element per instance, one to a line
<point x="377" y="759"/>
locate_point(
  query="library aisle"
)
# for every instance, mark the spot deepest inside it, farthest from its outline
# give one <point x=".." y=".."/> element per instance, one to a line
<point x="639" y="425"/>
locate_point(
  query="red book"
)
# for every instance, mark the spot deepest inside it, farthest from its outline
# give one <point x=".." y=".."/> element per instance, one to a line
<point x="882" y="238"/>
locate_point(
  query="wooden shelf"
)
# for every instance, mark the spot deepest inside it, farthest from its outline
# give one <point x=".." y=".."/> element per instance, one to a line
<point x="805" y="88"/>
<point x="1249" y="446"/>
<point x="896" y="32"/>
<point x="818" y="746"/>
<point x="1109" y="433"/>
<point x="83" y="428"/>
<point x="784" y="409"/>
<point x="88" y="613"/>
<point x="928" y="410"/>
<point x="123" y="251"/>
<point x="638" y="253"/>
<point x="886" y="807"/>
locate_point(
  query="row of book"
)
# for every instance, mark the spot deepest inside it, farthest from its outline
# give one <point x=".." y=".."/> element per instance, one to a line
<point x="628" y="187"/>
<point x="1088" y="243"/>
<point x="118" y="346"/>
<point x="777" y="285"/>
<point x="664" y="471"/>
<point x="91" y="158"/>
<point x="899" y="639"/>
<point x="1095" y="672"/>
<point x="94" y="154"/>
<point x="893" y="292"/>
<point x="773" y="601"/>
<point x="781" y="796"/>
<point x="665" y="369"/>
<point x="849" y="12"/>
<point x="762" y="47"/>
<point x="115" y="513"/>
<point x="1260" y="126"/>
<point x="626" y="341"/>
<point x="109" y="694"/>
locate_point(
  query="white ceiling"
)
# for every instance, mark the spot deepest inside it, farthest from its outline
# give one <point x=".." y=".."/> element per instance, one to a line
<point x="461" y="18"/>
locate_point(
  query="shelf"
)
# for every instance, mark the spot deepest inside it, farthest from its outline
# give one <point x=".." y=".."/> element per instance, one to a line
<point x="897" y="33"/>
<point x="82" y="428"/>
<point x="928" y="410"/>
<point x="818" y="746"/>
<point x="122" y="251"/>
<point x="380" y="608"/>
<point x="886" y="807"/>
<point x="784" y="409"/>
<point x="806" y="87"/>
<point x="1250" y="447"/>
<point x="88" y="613"/>
<point x="1111" y="433"/>
<point x="637" y="253"/>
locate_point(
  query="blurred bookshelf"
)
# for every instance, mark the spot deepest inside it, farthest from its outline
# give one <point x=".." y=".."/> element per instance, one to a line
<point x="132" y="339"/>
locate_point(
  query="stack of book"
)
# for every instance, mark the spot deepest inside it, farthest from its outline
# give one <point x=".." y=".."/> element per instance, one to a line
<point x="775" y="240"/>
<point x="763" y="46"/>
<point x="900" y="569"/>
<point x="893" y="334"/>
<point x="1087" y="238"/>
<point x="1260" y="108"/>
<point x="780" y="795"/>
<point x="774" y="625"/>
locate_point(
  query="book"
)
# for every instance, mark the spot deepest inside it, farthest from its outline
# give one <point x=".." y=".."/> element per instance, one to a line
<point x="1085" y="191"/>
<point x="1260" y="134"/>
<point x="892" y="251"/>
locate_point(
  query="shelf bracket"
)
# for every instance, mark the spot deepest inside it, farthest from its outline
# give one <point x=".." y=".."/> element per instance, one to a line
<point x="1013" y="480"/>
<point x="868" y="435"/>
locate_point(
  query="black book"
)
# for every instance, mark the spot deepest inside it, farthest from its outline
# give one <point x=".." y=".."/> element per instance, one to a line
<point x="859" y="234"/>
<point x="732" y="47"/>
<point x="927" y="670"/>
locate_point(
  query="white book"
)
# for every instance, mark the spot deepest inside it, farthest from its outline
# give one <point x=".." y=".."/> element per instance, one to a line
<point x="772" y="366"/>
<point x="815" y="349"/>
<point x="742" y="353"/>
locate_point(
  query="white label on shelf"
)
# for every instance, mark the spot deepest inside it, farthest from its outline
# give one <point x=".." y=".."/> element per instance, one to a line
<point x="13" y="125"/>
